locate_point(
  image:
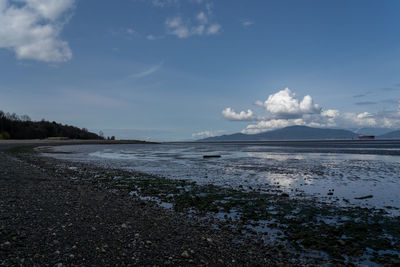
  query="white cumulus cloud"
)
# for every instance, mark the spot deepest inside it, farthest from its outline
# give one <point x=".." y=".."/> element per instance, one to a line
<point x="330" y="113"/>
<point x="31" y="29"/>
<point x="284" y="104"/>
<point x="230" y="114"/>
<point x="364" y="119"/>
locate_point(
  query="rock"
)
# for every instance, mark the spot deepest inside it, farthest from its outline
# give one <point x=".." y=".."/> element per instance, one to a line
<point x="211" y="156"/>
<point x="209" y="240"/>
<point x="124" y="225"/>
<point x="364" y="197"/>
<point x="185" y="254"/>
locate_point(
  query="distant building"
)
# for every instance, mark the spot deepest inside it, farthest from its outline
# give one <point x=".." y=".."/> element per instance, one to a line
<point x="366" y="137"/>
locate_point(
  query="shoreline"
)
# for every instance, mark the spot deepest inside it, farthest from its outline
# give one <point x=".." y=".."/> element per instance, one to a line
<point x="38" y="142"/>
<point x="50" y="216"/>
<point x="289" y="244"/>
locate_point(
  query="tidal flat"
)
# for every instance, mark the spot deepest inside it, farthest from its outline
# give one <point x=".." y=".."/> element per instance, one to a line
<point x="278" y="215"/>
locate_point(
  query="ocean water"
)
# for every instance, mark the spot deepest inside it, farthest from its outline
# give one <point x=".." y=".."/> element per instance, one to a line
<point x="303" y="170"/>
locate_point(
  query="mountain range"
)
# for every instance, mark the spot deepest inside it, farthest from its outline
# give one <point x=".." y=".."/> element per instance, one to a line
<point x="299" y="133"/>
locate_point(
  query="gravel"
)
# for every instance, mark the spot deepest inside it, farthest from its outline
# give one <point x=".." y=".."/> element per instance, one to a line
<point x="48" y="217"/>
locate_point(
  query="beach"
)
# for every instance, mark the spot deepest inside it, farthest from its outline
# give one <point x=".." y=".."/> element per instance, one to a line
<point x="47" y="218"/>
<point x="55" y="211"/>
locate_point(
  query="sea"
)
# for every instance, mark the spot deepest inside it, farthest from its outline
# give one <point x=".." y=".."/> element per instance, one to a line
<point x="345" y="173"/>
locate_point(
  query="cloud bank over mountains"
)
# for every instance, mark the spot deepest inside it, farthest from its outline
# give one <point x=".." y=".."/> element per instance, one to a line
<point x="31" y="28"/>
<point x="284" y="108"/>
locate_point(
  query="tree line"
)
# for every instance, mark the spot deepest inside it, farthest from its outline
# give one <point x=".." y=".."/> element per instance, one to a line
<point x="13" y="126"/>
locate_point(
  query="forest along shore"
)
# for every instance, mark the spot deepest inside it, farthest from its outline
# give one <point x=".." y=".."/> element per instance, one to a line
<point x="54" y="211"/>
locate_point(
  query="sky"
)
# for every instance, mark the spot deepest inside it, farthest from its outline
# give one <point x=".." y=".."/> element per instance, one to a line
<point x="169" y="70"/>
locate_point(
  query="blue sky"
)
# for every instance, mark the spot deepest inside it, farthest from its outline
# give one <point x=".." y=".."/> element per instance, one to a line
<point x="184" y="69"/>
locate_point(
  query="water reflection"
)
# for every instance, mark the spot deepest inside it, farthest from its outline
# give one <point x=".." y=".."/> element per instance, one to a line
<point x="274" y="156"/>
<point x="259" y="167"/>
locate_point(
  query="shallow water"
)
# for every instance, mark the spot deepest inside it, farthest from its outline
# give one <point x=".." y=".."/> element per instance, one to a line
<point x="306" y="172"/>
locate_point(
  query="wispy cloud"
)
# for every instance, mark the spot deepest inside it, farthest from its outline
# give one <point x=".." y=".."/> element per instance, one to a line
<point x="131" y="31"/>
<point x="246" y="22"/>
<point x="90" y="98"/>
<point x="152" y="37"/>
<point x="202" y="23"/>
<point x="164" y="3"/>
<point x="184" y="29"/>
<point x="366" y="103"/>
<point x="205" y="134"/>
<point x="146" y="72"/>
<point x="377" y="91"/>
<point x="391" y="101"/>
<point x="360" y="95"/>
<point x="388" y="89"/>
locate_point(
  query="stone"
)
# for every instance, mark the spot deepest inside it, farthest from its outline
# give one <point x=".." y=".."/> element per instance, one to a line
<point x="185" y="254"/>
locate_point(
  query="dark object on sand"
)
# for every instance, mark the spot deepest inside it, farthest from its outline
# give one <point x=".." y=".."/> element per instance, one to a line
<point x="365" y="197"/>
<point x="211" y="156"/>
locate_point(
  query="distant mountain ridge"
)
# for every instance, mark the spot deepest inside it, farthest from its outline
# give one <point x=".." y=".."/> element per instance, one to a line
<point x="372" y="131"/>
<point x="298" y="133"/>
<point x="391" y="135"/>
